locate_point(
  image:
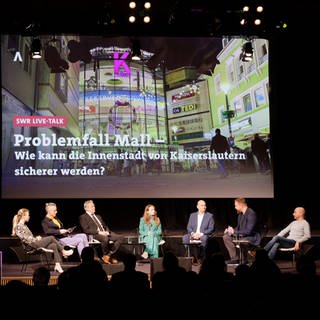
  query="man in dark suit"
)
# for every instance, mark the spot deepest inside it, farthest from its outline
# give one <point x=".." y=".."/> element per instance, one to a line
<point x="247" y="229"/>
<point x="200" y="228"/>
<point x="94" y="225"/>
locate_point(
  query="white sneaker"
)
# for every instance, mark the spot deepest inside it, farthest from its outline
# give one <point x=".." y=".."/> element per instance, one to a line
<point x="161" y="242"/>
<point x="58" y="268"/>
<point x="145" y="255"/>
<point x="67" y="253"/>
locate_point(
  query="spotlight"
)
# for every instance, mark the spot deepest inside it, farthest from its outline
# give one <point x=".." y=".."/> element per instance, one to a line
<point x="146" y="19"/>
<point x="36" y="48"/>
<point x="247" y="48"/>
<point x="247" y="52"/>
<point x="136" y="50"/>
<point x="139" y="12"/>
<point x="252" y="16"/>
<point x="132" y="19"/>
<point x="257" y="22"/>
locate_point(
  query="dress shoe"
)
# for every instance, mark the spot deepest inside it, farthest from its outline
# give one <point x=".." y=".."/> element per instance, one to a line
<point x="106" y="259"/>
<point x="58" y="268"/>
<point x="252" y="253"/>
<point x="67" y="253"/>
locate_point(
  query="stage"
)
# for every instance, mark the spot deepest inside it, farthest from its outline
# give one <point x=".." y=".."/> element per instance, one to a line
<point x="12" y="271"/>
<point x="13" y="258"/>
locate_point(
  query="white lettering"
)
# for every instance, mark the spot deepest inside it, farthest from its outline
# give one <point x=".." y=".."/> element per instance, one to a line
<point x="17" y="57"/>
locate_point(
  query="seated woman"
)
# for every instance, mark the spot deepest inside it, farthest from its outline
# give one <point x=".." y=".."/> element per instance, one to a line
<point x="21" y="230"/>
<point x="150" y="231"/>
<point x="52" y="226"/>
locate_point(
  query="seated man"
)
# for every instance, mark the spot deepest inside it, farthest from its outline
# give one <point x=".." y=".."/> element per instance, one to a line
<point x="200" y="227"/>
<point x="247" y="228"/>
<point x="52" y="226"/>
<point x="293" y="235"/>
<point x="93" y="224"/>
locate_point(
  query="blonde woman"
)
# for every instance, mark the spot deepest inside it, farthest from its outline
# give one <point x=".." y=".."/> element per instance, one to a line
<point x="150" y="231"/>
<point x="20" y="229"/>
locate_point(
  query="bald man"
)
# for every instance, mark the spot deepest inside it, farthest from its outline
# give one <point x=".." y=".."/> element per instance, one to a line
<point x="297" y="232"/>
<point x="200" y="228"/>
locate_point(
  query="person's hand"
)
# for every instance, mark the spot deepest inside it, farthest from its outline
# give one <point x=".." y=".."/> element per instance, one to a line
<point x="230" y="230"/>
<point x="196" y="236"/>
<point x="296" y="246"/>
<point x="63" y="231"/>
<point x="38" y="237"/>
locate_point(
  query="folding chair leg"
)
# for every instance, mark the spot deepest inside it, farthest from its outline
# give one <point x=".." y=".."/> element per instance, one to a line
<point x="48" y="262"/>
<point x="161" y="249"/>
<point x="45" y="260"/>
<point x="188" y="251"/>
<point x="25" y="263"/>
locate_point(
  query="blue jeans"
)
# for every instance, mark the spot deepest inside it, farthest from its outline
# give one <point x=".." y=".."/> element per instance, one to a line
<point x="276" y="242"/>
<point x="222" y="167"/>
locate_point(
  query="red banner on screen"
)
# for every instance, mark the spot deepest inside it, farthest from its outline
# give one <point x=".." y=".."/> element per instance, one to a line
<point x="39" y="121"/>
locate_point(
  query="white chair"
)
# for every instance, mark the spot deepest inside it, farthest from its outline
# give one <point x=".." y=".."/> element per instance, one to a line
<point x="161" y="243"/>
<point x="305" y="248"/>
<point x="92" y="241"/>
<point x="292" y="251"/>
<point x="95" y="244"/>
<point x="242" y="245"/>
<point x="193" y="243"/>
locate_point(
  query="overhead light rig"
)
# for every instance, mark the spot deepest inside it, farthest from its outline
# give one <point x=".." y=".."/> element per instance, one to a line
<point x="154" y="18"/>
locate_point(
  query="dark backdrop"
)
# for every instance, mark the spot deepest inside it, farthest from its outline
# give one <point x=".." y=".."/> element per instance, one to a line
<point x="124" y="214"/>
